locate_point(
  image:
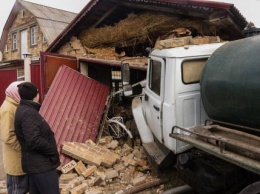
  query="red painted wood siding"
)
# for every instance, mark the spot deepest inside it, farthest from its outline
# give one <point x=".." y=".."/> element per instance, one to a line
<point x="6" y="77"/>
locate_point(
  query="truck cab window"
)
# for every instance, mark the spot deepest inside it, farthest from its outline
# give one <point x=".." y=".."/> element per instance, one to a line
<point x="155" y="77"/>
<point x="192" y="70"/>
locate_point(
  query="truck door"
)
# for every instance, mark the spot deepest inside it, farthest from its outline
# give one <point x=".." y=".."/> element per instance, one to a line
<point x="153" y="96"/>
<point x="188" y="99"/>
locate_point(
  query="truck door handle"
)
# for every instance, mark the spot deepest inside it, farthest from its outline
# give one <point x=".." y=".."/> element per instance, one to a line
<point x="156" y="108"/>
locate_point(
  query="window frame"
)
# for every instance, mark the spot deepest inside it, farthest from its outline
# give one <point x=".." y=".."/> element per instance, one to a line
<point x="33" y="35"/>
<point x="14" y="41"/>
<point x="23" y="13"/>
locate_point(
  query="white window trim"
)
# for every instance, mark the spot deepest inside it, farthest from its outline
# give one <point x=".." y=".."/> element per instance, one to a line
<point x="23" y="13"/>
<point x="33" y="35"/>
<point x="14" y="41"/>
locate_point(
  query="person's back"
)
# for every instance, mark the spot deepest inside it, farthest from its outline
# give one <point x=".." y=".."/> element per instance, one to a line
<point x="40" y="157"/>
<point x="17" y="180"/>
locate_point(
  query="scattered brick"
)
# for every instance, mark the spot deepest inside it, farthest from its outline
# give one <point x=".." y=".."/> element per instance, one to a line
<point x="69" y="166"/>
<point x="139" y="180"/>
<point x="119" y="167"/>
<point x="79" y="189"/>
<point x="89" y="171"/>
<point x="138" y="153"/>
<point x="90" y="154"/>
<point x="65" y="178"/>
<point x="126" y="150"/>
<point x="129" y="160"/>
<point x="75" y="182"/>
<point x="113" y="144"/>
<point x="110" y="174"/>
<point x="65" y="190"/>
<point x="80" y="168"/>
<point x="93" y="191"/>
<point x="98" y="181"/>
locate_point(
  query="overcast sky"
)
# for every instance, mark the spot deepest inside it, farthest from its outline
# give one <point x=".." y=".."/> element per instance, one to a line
<point x="248" y="8"/>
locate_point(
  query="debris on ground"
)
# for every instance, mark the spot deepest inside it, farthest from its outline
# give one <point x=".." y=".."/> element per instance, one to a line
<point x="110" y="167"/>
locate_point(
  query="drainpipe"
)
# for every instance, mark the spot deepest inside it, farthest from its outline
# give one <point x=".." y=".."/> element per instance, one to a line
<point x="27" y="67"/>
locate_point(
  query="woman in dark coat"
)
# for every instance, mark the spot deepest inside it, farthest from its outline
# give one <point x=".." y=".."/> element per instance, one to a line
<point x="40" y="157"/>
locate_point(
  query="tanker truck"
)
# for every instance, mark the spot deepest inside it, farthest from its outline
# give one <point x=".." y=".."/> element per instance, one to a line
<point x="199" y="112"/>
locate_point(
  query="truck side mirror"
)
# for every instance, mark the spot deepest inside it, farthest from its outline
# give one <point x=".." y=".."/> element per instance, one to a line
<point x="125" y="76"/>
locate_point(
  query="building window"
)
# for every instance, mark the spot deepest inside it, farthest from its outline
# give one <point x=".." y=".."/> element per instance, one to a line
<point x="6" y="48"/>
<point x="33" y="36"/>
<point x="23" y="13"/>
<point x="44" y="40"/>
<point x="14" y="38"/>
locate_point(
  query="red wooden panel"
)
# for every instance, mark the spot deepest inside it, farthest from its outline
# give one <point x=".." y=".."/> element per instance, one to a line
<point x="35" y="76"/>
<point x="49" y="65"/>
<point x="6" y="77"/>
<point x="73" y="107"/>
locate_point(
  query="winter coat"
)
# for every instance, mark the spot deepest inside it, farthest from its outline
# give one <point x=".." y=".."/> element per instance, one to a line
<point x="11" y="149"/>
<point x="39" y="149"/>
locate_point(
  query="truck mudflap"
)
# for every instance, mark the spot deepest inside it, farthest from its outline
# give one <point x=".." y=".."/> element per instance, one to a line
<point x="233" y="145"/>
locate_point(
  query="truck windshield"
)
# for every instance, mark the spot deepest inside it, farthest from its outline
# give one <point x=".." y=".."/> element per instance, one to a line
<point x="192" y="70"/>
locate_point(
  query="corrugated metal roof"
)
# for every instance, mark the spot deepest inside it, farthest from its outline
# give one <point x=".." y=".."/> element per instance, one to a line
<point x="73" y="107"/>
<point x="51" y="21"/>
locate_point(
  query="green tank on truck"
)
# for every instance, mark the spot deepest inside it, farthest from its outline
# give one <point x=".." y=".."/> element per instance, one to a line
<point x="230" y="83"/>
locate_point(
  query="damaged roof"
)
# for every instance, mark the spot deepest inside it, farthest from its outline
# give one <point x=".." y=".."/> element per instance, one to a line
<point x="50" y="20"/>
<point x="100" y="13"/>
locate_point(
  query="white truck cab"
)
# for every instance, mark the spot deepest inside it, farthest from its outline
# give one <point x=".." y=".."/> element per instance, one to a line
<point x="175" y="128"/>
<point x="172" y="93"/>
<point x="171" y="97"/>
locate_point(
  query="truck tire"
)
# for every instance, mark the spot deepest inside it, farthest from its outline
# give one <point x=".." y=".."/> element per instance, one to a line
<point x="251" y="189"/>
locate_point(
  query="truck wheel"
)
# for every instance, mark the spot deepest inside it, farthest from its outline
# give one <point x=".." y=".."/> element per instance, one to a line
<point x="251" y="189"/>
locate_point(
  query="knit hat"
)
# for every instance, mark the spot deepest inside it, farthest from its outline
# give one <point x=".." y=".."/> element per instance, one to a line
<point x="27" y="90"/>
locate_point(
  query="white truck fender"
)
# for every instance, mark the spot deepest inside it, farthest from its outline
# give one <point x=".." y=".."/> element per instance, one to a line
<point x="144" y="131"/>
